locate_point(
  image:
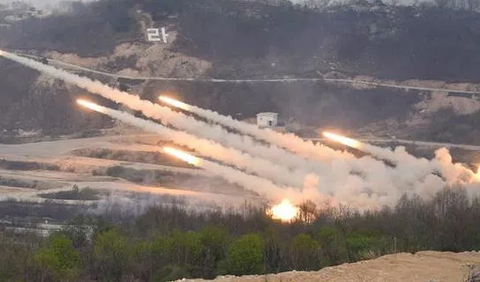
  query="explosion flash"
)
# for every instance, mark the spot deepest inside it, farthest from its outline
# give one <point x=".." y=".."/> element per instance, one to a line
<point x="284" y="211"/>
<point x="343" y="140"/>
<point x="174" y="103"/>
<point x="90" y="105"/>
<point x="182" y="155"/>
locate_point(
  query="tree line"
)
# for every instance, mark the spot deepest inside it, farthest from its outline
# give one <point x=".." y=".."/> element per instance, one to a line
<point x="171" y="242"/>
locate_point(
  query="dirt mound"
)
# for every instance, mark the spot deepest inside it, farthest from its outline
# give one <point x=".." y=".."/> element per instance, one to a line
<point x="422" y="266"/>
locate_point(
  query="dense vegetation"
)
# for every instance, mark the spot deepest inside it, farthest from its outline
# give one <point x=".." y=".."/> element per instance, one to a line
<point x="168" y="242"/>
<point x="85" y="194"/>
<point x="129" y="156"/>
<point x="23" y="165"/>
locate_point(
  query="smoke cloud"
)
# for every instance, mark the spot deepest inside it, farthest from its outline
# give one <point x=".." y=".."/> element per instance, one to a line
<point x="287" y="162"/>
<point x="211" y="149"/>
<point x="178" y="120"/>
<point x="288" y="141"/>
<point x="410" y="168"/>
<point x="256" y="184"/>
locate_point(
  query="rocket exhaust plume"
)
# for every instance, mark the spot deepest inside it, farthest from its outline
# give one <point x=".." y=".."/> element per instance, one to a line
<point x="284" y="211"/>
<point x="277" y="173"/>
<point x="404" y="176"/>
<point x="91" y="106"/>
<point x="343" y="140"/>
<point x="417" y="168"/>
<point x="346" y="188"/>
<point x="183" y="156"/>
<point x="293" y="143"/>
<point x="178" y="120"/>
<point x="250" y="182"/>
<point x="175" y="103"/>
<point x="477" y="175"/>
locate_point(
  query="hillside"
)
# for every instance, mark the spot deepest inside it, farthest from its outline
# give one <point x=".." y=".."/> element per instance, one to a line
<point x="237" y="39"/>
<point x="373" y="39"/>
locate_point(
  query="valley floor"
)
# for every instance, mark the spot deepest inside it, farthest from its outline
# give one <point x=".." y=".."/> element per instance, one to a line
<point x="57" y="167"/>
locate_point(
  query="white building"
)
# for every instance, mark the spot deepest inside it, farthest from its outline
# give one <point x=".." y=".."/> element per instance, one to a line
<point x="267" y="119"/>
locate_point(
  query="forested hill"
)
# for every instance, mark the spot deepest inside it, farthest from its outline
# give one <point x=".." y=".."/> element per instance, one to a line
<point x="245" y="39"/>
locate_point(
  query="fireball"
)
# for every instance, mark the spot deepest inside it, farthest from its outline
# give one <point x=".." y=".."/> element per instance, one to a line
<point x="284" y="211"/>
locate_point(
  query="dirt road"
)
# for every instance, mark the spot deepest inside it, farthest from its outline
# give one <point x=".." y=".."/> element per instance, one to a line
<point x="407" y="88"/>
<point x="411" y="142"/>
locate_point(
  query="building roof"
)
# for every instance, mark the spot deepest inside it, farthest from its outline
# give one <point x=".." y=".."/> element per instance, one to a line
<point x="267" y="114"/>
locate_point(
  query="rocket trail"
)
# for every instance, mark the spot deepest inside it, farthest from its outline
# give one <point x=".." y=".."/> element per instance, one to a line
<point x="409" y="166"/>
<point x="288" y="141"/>
<point x="250" y="182"/>
<point x="178" y="120"/>
<point x="277" y="173"/>
<point x="376" y="184"/>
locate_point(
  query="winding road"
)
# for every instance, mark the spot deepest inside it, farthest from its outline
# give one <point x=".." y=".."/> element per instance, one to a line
<point x="411" y="142"/>
<point x="62" y="64"/>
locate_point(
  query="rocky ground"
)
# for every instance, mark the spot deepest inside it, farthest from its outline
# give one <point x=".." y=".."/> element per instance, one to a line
<point x="425" y="266"/>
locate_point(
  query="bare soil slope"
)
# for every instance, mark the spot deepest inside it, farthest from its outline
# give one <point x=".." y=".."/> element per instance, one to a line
<point x="422" y="266"/>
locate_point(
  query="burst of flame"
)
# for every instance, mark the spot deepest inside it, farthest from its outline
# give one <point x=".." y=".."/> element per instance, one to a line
<point x="182" y="155"/>
<point x="284" y="211"/>
<point x="477" y="175"/>
<point x="175" y="103"/>
<point x="342" y="139"/>
<point x="91" y="105"/>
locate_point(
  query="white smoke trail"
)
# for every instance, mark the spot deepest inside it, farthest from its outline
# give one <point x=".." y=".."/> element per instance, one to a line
<point x="207" y="148"/>
<point x="412" y="168"/>
<point x="375" y="190"/>
<point x="250" y="182"/>
<point x="178" y="120"/>
<point x="289" y="141"/>
<point x="452" y="172"/>
<point x="376" y="186"/>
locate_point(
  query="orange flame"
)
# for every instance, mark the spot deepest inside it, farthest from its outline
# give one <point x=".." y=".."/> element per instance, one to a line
<point x="175" y="103"/>
<point x="91" y="105"/>
<point x="182" y="155"/>
<point x="284" y="211"/>
<point x="342" y="139"/>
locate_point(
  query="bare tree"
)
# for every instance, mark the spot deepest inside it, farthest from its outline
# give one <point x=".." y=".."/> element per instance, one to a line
<point x="392" y="3"/>
<point x="443" y="3"/>
<point x="318" y="5"/>
<point x="472" y="5"/>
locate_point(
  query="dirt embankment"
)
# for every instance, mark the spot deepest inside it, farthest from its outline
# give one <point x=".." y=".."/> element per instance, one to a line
<point x="422" y="266"/>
